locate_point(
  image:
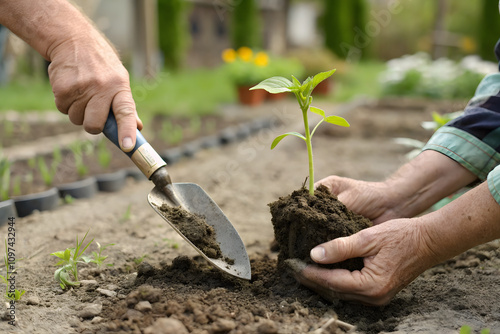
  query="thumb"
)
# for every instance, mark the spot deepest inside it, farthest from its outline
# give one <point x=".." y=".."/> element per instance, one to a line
<point x="126" y="119"/>
<point x="340" y="249"/>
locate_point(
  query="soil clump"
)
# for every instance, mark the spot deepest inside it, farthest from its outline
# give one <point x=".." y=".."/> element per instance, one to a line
<point x="302" y="221"/>
<point x="195" y="228"/>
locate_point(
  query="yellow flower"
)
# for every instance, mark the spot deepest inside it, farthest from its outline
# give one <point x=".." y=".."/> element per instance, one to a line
<point x="245" y="53"/>
<point x="468" y="44"/>
<point x="229" y="55"/>
<point x="261" y="59"/>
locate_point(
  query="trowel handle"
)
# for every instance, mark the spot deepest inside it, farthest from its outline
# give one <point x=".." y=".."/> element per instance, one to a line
<point x="143" y="154"/>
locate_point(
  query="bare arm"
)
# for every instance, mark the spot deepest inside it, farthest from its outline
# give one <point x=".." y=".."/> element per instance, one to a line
<point x="416" y="186"/>
<point x="86" y="74"/>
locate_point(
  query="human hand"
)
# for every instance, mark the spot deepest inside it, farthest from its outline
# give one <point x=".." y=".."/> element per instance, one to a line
<point x="88" y="79"/>
<point x="374" y="200"/>
<point x="394" y="253"/>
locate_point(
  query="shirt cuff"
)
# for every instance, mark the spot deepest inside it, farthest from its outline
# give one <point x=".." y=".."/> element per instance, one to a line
<point x="478" y="157"/>
<point x="494" y="184"/>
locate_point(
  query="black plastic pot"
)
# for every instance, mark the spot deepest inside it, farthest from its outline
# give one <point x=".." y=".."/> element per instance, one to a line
<point x="228" y="135"/>
<point x="43" y="201"/>
<point x="172" y="155"/>
<point x="111" y="182"/>
<point x="209" y="142"/>
<point x="7" y="209"/>
<point x="136" y="174"/>
<point x="190" y="149"/>
<point x="85" y="188"/>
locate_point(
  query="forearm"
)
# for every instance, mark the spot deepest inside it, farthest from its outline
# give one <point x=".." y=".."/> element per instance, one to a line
<point x="46" y="24"/>
<point x="423" y="181"/>
<point x="470" y="220"/>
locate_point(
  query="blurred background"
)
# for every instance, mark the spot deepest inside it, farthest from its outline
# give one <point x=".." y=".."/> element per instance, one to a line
<point x="189" y="56"/>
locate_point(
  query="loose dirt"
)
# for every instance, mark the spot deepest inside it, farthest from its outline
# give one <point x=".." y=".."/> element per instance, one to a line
<point x="150" y="288"/>
<point x="195" y="228"/>
<point x="302" y="221"/>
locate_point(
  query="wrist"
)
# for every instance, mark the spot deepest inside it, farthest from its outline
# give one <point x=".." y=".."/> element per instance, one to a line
<point x="425" y="180"/>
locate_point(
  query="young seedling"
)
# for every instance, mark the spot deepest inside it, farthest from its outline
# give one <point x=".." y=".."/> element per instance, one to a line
<point x="48" y="173"/>
<point x="77" y="149"/>
<point x="10" y="294"/>
<point x="127" y="214"/>
<point x="4" y="179"/>
<point x="70" y="258"/>
<point x="171" y="134"/>
<point x="302" y="92"/>
<point x="103" y="154"/>
<point x="195" y="125"/>
<point x="98" y="258"/>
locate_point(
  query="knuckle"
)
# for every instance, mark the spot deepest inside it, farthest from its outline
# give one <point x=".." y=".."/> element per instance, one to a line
<point x="92" y="128"/>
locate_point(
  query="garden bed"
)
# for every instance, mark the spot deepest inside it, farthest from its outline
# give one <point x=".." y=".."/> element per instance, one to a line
<point x="149" y="281"/>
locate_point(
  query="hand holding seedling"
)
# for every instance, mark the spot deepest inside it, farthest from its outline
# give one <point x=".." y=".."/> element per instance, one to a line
<point x="86" y="74"/>
<point x="303" y="93"/>
<point x="397" y="251"/>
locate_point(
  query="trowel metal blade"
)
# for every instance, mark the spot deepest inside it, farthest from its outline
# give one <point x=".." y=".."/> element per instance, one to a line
<point x="196" y="201"/>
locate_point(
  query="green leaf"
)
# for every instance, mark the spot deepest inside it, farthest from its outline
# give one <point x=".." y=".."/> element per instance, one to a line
<point x="318" y="111"/>
<point x="58" y="254"/>
<point x="280" y="137"/>
<point x="296" y="82"/>
<point x="67" y="254"/>
<point x="337" y="120"/>
<point x="275" y="85"/>
<point x="465" y="329"/>
<point x="321" y="76"/>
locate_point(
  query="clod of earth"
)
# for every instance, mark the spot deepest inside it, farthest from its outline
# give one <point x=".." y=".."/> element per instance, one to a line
<point x="195" y="228"/>
<point x="301" y="222"/>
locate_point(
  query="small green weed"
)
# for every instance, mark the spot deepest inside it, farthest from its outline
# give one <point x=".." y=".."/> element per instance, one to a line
<point x="468" y="330"/>
<point x="71" y="257"/>
<point x="4" y="179"/>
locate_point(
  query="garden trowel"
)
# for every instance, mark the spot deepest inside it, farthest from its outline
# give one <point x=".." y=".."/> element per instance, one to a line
<point x="190" y="197"/>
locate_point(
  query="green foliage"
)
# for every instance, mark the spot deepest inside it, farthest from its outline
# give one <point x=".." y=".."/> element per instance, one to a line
<point x="49" y="172"/>
<point x="68" y="199"/>
<point x="302" y="92"/>
<point x="171" y="133"/>
<point x="139" y="260"/>
<point x="4" y="178"/>
<point x="468" y="330"/>
<point x="341" y="21"/>
<point x="127" y="214"/>
<point x="419" y="75"/>
<point x="67" y="274"/>
<point x="78" y="148"/>
<point x="246" y="24"/>
<point x="69" y="260"/>
<point x="9" y="295"/>
<point x="98" y="258"/>
<point x="489" y="26"/>
<point x="103" y="154"/>
<point x="173" y="31"/>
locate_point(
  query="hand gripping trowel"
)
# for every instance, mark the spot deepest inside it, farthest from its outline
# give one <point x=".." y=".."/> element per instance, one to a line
<point x="191" y="197"/>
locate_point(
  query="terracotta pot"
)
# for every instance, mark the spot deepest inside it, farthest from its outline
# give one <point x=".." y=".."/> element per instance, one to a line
<point x="276" y="97"/>
<point x="251" y="97"/>
<point x="323" y="88"/>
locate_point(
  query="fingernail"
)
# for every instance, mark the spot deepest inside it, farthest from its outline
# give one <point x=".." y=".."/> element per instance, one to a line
<point x="318" y="253"/>
<point x="127" y="143"/>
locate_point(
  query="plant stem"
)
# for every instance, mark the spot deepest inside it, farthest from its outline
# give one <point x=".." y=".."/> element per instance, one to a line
<point x="309" y="151"/>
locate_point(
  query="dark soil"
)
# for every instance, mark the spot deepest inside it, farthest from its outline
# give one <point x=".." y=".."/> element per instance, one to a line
<point x="302" y="221"/>
<point x="18" y="132"/>
<point x="195" y="228"/>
